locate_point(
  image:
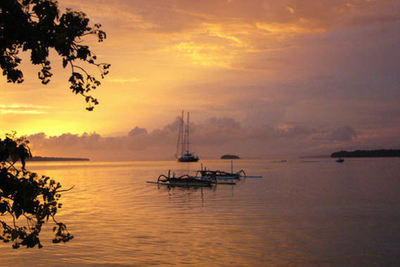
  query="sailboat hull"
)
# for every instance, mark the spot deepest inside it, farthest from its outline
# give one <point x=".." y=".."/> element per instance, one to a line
<point x="188" y="158"/>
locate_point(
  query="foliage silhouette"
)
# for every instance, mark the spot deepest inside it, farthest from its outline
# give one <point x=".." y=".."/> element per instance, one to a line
<point x="27" y="200"/>
<point x="36" y="26"/>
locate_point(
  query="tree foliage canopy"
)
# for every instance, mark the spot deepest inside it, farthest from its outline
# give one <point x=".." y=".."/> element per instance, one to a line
<point x="27" y="200"/>
<point x="36" y="26"/>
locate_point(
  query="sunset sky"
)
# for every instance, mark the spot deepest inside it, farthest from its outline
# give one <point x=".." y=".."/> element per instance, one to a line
<point x="261" y="78"/>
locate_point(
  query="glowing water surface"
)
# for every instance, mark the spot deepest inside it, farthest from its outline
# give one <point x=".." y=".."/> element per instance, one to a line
<point x="302" y="212"/>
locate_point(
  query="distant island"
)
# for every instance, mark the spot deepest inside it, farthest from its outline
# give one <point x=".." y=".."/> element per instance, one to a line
<point x="38" y="158"/>
<point x="367" y="153"/>
<point x="227" y="156"/>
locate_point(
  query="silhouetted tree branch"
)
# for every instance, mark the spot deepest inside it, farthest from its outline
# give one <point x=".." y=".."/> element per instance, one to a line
<point x="36" y="26"/>
<point x="28" y="200"/>
<point x="25" y="195"/>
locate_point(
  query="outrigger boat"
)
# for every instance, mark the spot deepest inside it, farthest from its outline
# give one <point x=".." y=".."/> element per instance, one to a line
<point x="183" y="180"/>
<point x="187" y="180"/>
<point x="206" y="174"/>
<point x="222" y="175"/>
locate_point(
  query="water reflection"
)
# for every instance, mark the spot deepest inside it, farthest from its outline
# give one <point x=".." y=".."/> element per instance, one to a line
<point x="187" y="193"/>
<point x="318" y="213"/>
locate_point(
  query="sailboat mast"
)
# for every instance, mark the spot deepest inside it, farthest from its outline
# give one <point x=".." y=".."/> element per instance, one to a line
<point x="178" y="142"/>
<point x="182" y="134"/>
<point x="187" y="134"/>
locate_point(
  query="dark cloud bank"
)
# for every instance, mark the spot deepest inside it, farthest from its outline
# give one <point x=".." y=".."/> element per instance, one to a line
<point x="210" y="139"/>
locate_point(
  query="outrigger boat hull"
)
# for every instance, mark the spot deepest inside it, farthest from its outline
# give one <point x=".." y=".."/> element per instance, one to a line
<point x="233" y="177"/>
<point x="183" y="180"/>
<point x="190" y="184"/>
<point x="183" y="184"/>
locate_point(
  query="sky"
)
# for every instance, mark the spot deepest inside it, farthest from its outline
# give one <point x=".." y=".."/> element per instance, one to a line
<point x="260" y="78"/>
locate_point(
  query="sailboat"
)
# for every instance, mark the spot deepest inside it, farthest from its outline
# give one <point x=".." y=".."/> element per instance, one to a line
<point x="183" y="153"/>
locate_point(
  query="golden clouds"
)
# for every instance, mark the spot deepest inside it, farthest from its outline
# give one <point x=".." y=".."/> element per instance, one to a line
<point x="225" y="44"/>
<point x="290" y="9"/>
<point x="23" y="109"/>
<point x="211" y="33"/>
<point x="200" y="54"/>
<point x="288" y="29"/>
<point x="212" y="45"/>
<point x="220" y="32"/>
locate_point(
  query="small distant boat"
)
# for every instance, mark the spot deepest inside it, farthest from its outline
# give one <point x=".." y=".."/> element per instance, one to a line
<point x="229" y="156"/>
<point x="183" y="153"/>
<point x="340" y="160"/>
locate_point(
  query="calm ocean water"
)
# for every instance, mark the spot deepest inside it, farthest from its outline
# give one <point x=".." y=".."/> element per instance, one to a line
<point x="302" y="212"/>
